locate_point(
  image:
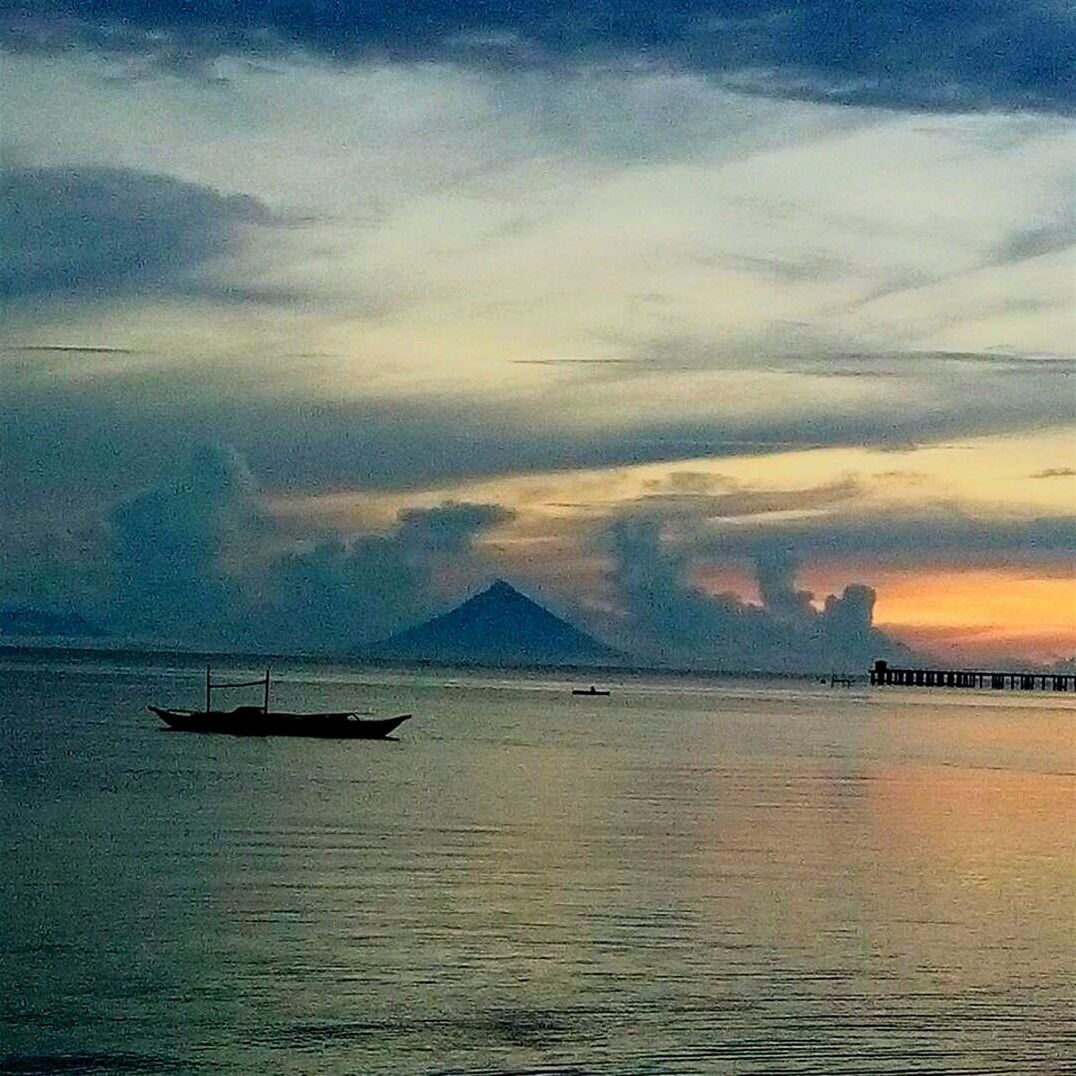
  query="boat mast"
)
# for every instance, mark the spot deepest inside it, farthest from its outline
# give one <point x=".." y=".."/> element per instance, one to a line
<point x="207" y="689"/>
<point x="265" y="708"/>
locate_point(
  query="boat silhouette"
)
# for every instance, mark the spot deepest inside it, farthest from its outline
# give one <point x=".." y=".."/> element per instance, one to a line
<point x="259" y="721"/>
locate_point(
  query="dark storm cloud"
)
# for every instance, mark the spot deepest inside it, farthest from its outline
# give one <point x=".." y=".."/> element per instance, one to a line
<point x="339" y="594"/>
<point x="931" y="54"/>
<point x="191" y="559"/>
<point x="655" y="561"/>
<point x="167" y="545"/>
<point x="95" y="232"/>
<point x="675" y="620"/>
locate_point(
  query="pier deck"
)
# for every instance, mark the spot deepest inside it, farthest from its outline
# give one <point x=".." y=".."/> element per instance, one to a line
<point x="883" y="674"/>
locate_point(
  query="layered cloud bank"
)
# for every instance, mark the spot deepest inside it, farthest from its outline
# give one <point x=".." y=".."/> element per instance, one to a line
<point x="177" y="566"/>
<point x="642" y="304"/>
<point x="203" y="559"/>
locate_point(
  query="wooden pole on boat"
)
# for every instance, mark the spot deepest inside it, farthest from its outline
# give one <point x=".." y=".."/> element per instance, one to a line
<point x="265" y="708"/>
<point x="207" y="689"/>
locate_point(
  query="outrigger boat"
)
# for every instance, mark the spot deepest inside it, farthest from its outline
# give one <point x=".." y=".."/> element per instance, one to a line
<point x="258" y="721"/>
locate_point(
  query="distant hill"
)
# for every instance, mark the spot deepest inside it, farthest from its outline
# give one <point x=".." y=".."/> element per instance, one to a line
<point x="25" y="621"/>
<point x="499" y="626"/>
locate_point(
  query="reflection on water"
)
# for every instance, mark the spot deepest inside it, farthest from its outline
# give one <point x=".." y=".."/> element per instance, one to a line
<point x="683" y="877"/>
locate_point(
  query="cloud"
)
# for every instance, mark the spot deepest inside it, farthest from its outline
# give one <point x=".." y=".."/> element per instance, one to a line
<point x="448" y="528"/>
<point x="672" y="619"/>
<point x="785" y="347"/>
<point x="95" y="232"/>
<point x="929" y="535"/>
<point x="684" y="499"/>
<point x="775" y="570"/>
<point x="657" y="557"/>
<point x="1049" y="234"/>
<point x="168" y="546"/>
<point x="921" y="55"/>
<point x="1055" y="472"/>
<point x="837" y="523"/>
<point x="111" y="432"/>
<point x="336" y="595"/>
<point x="196" y="559"/>
<point x="72" y="349"/>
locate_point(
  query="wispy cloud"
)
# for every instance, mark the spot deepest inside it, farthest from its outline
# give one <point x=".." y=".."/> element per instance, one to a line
<point x="70" y="349"/>
<point x="969" y="54"/>
<point x="112" y="430"/>
<point x="1048" y="235"/>
<point x="929" y="534"/>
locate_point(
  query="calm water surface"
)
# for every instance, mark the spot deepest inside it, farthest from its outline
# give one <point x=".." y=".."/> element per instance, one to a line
<point x="685" y="877"/>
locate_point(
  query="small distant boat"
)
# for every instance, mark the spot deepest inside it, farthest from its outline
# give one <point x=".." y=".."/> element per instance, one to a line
<point x="589" y="691"/>
<point x="258" y="721"/>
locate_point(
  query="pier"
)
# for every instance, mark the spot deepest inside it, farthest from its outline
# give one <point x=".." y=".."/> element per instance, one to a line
<point x="883" y="675"/>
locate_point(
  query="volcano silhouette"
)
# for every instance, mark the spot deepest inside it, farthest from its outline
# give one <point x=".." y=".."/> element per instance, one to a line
<point x="499" y="626"/>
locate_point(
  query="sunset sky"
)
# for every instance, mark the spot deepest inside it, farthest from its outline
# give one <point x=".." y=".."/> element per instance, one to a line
<point x="681" y="317"/>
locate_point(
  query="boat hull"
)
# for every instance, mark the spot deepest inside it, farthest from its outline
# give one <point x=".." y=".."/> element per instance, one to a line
<point x="251" y="721"/>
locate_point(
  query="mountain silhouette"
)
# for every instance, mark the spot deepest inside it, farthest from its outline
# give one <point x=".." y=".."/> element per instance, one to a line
<point x="499" y="626"/>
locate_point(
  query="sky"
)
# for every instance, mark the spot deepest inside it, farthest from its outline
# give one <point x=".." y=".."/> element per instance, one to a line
<point x="740" y="333"/>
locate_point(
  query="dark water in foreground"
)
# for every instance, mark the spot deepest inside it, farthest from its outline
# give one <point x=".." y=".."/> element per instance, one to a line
<point x="682" y="878"/>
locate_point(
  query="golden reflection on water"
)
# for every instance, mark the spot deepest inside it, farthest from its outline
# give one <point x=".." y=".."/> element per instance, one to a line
<point x="986" y="854"/>
<point x="675" y="879"/>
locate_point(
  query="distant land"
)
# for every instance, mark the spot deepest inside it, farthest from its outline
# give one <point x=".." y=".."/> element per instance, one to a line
<point x="496" y="628"/>
<point x="499" y="626"/>
<point x="26" y="622"/>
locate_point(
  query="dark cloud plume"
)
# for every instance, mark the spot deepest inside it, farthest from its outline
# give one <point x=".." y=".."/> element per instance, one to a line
<point x="168" y="546"/>
<point x="336" y="595"/>
<point x="775" y="570"/>
<point x="658" y="549"/>
<point x="195" y="559"/>
<point x="94" y="232"/>
<point x="674" y="620"/>
<point x="921" y="54"/>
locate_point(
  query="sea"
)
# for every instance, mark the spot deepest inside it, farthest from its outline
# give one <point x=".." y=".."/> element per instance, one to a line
<point x="691" y="875"/>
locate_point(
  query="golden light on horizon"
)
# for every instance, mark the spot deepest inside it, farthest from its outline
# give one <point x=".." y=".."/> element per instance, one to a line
<point x="984" y="610"/>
